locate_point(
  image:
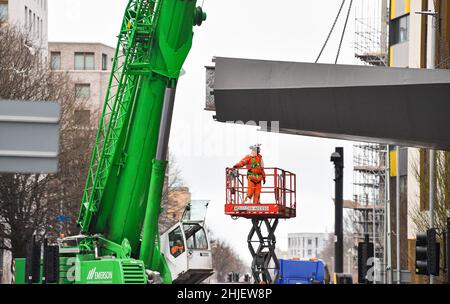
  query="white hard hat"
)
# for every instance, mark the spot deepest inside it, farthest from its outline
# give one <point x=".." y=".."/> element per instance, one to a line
<point x="255" y="147"/>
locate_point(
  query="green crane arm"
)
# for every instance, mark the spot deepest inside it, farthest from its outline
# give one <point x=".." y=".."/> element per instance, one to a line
<point x="154" y="41"/>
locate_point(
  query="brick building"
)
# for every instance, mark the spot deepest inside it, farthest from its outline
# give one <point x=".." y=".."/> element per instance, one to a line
<point x="89" y="65"/>
<point x="29" y="14"/>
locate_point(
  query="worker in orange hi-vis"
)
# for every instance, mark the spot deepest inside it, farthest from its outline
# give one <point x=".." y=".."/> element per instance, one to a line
<point x="255" y="173"/>
<point x="178" y="248"/>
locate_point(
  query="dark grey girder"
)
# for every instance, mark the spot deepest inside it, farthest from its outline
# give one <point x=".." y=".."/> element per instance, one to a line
<point x="400" y="106"/>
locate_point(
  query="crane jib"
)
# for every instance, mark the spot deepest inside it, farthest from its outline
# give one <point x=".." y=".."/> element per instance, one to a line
<point x="154" y="41"/>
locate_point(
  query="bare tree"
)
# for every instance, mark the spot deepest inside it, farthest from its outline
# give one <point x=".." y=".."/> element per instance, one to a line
<point x="419" y="214"/>
<point x="30" y="203"/>
<point x="327" y="253"/>
<point x="172" y="208"/>
<point x="225" y="259"/>
<point x="350" y="259"/>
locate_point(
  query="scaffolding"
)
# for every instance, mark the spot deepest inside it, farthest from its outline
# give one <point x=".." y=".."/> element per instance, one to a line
<point x="369" y="197"/>
<point x="367" y="209"/>
<point x="371" y="28"/>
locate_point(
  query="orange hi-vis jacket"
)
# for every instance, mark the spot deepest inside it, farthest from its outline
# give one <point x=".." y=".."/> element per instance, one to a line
<point x="177" y="248"/>
<point x="255" y="167"/>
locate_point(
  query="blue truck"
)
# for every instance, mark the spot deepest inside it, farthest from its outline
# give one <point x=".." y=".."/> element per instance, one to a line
<point x="303" y="272"/>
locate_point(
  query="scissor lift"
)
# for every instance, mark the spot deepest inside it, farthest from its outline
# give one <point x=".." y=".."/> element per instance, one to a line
<point x="278" y="201"/>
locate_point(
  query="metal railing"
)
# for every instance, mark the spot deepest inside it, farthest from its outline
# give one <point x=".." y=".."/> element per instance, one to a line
<point x="280" y="187"/>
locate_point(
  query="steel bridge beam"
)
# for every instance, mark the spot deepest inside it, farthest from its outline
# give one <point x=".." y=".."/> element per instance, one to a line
<point x="375" y="104"/>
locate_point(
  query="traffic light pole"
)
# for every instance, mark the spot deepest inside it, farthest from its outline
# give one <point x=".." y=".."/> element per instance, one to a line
<point x="431" y="193"/>
<point x="447" y="252"/>
<point x="431" y="60"/>
<point x="397" y="214"/>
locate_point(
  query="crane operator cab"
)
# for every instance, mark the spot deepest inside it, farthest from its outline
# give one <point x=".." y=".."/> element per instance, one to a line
<point x="186" y="246"/>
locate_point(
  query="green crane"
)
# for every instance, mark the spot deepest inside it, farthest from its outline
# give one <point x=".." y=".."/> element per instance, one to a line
<point x="121" y="203"/>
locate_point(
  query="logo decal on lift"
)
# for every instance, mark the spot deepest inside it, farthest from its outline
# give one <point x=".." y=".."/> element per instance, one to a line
<point x="101" y="275"/>
<point x="251" y="208"/>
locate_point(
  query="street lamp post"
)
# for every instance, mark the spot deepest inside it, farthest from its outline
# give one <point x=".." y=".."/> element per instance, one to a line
<point x="338" y="159"/>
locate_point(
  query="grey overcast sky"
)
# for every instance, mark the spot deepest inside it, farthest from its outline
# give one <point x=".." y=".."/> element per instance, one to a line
<point x="288" y="30"/>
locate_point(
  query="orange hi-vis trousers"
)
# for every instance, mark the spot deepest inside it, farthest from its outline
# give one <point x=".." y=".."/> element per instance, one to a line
<point x="254" y="190"/>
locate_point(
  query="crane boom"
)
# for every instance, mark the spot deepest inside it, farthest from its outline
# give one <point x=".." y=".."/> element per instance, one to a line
<point x="154" y="41"/>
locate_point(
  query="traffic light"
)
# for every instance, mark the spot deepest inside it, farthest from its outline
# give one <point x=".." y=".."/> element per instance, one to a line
<point x="427" y="253"/>
<point x="365" y="252"/>
<point x="421" y="254"/>
<point x="33" y="262"/>
<point x="50" y="264"/>
<point x="433" y="252"/>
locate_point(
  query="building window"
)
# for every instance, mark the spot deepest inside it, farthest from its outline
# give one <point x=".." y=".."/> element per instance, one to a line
<point x="83" y="90"/>
<point x="26" y="16"/>
<point x="399" y="30"/>
<point x="3" y="11"/>
<point x="317" y="242"/>
<point x="55" y="60"/>
<point x="84" y="61"/>
<point x="309" y="242"/>
<point x="104" y="62"/>
<point x="82" y="117"/>
<point x="309" y="252"/>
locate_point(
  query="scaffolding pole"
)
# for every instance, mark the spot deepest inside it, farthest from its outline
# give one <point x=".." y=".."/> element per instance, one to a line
<point x="369" y="175"/>
<point x="388" y="241"/>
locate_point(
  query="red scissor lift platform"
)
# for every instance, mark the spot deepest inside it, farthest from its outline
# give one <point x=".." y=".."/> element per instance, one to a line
<point x="277" y="201"/>
<point x="278" y="198"/>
